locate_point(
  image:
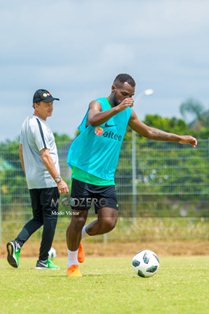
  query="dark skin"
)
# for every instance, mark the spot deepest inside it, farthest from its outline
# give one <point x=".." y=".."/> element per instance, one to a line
<point x="121" y="97"/>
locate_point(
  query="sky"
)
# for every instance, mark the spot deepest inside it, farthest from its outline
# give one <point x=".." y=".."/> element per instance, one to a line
<point x="75" y="49"/>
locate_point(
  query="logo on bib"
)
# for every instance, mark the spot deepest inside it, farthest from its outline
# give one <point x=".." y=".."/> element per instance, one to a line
<point x="98" y="131"/>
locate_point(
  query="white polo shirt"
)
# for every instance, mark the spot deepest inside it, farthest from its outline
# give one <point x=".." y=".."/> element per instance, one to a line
<point x="35" y="136"/>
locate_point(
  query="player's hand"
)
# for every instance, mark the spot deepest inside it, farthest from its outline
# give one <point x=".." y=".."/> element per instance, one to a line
<point x="127" y="102"/>
<point x="187" y="139"/>
<point x="62" y="187"/>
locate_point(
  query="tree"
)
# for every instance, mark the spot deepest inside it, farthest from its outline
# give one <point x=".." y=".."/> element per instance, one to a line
<point x="192" y="109"/>
<point x="173" y="124"/>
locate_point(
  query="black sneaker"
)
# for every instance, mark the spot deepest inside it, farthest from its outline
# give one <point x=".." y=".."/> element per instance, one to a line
<point x="46" y="264"/>
<point x="13" y="253"/>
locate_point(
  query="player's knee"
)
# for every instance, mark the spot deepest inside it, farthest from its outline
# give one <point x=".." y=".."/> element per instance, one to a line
<point x="109" y="223"/>
<point x="78" y="222"/>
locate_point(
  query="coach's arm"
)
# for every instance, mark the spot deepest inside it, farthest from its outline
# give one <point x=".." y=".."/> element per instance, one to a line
<point x="49" y="164"/>
<point x="21" y="157"/>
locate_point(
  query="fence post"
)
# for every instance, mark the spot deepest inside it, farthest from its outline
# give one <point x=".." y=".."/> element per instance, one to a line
<point x="208" y="154"/>
<point x="134" y="187"/>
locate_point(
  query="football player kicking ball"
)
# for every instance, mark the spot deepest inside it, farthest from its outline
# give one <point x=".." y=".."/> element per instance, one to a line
<point x="93" y="157"/>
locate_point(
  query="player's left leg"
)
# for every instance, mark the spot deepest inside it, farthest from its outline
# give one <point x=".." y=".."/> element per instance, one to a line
<point x="81" y="253"/>
<point x="106" y="207"/>
<point x="105" y="222"/>
<point x="49" y="200"/>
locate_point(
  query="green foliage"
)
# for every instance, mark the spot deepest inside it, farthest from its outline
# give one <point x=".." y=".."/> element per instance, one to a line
<point x="203" y="133"/>
<point x="193" y="108"/>
<point x="194" y="112"/>
<point x="10" y="151"/>
<point x="12" y="179"/>
<point x="61" y="139"/>
<point x="174" y="125"/>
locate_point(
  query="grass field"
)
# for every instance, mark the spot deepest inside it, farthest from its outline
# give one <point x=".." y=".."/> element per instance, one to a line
<point x="108" y="285"/>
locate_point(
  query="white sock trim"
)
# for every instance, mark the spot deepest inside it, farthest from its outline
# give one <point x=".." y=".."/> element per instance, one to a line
<point x="72" y="258"/>
<point x="83" y="232"/>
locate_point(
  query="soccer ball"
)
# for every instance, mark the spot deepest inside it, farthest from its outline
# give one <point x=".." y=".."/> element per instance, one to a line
<point x="52" y="253"/>
<point x="145" y="263"/>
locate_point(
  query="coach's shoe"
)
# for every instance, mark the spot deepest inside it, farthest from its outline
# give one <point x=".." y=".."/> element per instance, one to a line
<point x="13" y="253"/>
<point x="74" y="271"/>
<point x="46" y="264"/>
<point x="81" y="253"/>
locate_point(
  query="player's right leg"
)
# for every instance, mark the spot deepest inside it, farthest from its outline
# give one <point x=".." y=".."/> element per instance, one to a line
<point x="14" y="246"/>
<point x="80" y="207"/>
<point x="73" y="238"/>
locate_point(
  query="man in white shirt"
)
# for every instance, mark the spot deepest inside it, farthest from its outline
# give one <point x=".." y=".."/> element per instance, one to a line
<point x="39" y="160"/>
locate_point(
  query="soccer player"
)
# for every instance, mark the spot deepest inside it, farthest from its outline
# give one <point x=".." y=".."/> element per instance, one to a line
<point x="93" y="157"/>
<point x="39" y="160"/>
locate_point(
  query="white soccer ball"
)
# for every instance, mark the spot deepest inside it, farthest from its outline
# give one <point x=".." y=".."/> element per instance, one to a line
<point x="52" y="253"/>
<point x="146" y="263"/>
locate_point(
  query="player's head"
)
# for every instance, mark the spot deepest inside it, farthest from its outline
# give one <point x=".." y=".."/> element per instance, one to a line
<point x="123" y="87"/>
<point x="122" y="78"/>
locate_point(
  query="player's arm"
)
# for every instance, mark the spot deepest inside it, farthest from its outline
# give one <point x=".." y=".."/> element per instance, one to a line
<point x="97" y="117"/>
<point x="159" y="135"/>
<point x="21" y="157"/>
<point x="49" y="164"/>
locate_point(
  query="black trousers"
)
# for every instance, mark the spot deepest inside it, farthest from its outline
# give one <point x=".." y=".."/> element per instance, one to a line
<point x="44" y="204"/>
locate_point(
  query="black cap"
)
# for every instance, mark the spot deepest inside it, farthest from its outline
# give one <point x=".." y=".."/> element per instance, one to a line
<point x="43" y="95"/>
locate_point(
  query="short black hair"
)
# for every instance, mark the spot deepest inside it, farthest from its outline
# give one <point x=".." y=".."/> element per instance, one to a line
<point x="123" y="77"/>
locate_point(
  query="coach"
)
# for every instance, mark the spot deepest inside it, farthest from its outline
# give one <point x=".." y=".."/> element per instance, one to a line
<point x="39" y="160"/>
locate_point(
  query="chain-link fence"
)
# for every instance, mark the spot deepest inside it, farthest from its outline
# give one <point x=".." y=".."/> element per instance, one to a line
<point x="153" y="179"/>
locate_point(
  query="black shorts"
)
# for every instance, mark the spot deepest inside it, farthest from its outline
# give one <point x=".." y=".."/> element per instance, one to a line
<point x="84" y="195"/>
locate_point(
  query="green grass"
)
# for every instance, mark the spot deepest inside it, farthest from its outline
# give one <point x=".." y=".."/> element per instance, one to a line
<point x="108" y="285"/>
<point x="143" y="228"/>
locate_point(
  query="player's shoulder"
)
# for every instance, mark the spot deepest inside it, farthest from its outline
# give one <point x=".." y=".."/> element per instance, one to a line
<point x="94" y="104"/>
